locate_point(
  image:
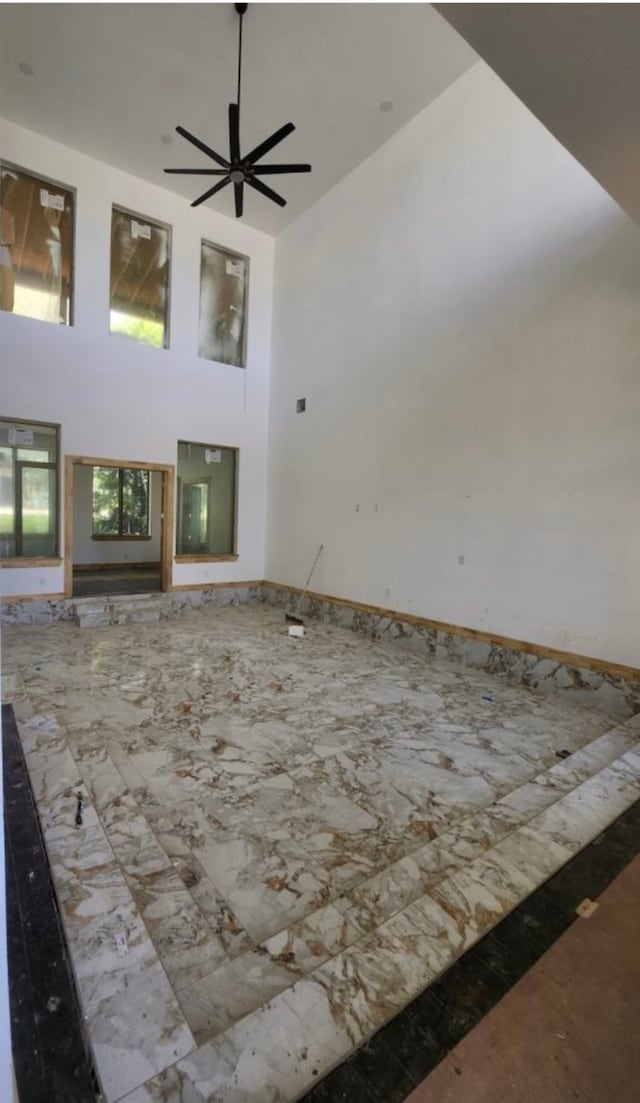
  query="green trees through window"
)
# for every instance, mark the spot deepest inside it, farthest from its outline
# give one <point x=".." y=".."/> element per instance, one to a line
<point x="120" y="502"/>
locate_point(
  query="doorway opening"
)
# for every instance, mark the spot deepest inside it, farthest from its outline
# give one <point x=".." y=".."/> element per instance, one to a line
<point x="118" y="526"/>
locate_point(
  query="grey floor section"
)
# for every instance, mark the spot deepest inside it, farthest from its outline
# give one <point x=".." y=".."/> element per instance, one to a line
<point x="88" y="583"/>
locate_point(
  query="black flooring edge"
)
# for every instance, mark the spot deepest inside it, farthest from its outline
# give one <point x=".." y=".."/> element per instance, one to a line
<point x="50" y="1054"/>
<point x="400" y="1055"/>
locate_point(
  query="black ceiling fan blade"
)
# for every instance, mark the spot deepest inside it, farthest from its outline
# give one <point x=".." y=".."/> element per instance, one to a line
<point x="269" y="143"/>
<point x="265" y="190"/>
<point x="234" y="132"/>
<point x="239" y="198"/>
<point x="199" y="172"/>
<point x="212" y="191"/>
<point x="268" y="170"/>
<point x="201" y="146"/>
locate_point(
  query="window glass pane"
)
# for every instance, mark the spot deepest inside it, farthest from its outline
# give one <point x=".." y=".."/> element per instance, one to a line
<point x="135" y="502"/>
<point x="36" y="247"/>
<point x="38" y="511"/>
<point x="139" y="278"/>
<point x="7" y="510"/>
<point x="28" y="493"/>
<point x="206" y="499"/>
<point x="33" y="454"/>
<point x="223" y="302"/>
<point x="106" y="501"/>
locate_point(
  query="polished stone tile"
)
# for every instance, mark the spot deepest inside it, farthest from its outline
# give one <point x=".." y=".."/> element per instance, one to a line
<point x="293" y="840"/>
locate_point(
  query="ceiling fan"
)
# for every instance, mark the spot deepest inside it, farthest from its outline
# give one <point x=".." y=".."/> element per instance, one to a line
<point x="236" y="169"/>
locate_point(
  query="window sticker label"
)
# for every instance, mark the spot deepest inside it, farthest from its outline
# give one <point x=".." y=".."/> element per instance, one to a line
<point x="49" y="199"/>
<point x="20" y="436"/>
<point x="139" y="229"/>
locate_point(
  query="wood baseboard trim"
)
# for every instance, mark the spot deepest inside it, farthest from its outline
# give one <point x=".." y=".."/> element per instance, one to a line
<point x="215" y="585"/>
<point x="569" y="658"/>
<point x="17" y="599"/>
<point x="141" y="566"/>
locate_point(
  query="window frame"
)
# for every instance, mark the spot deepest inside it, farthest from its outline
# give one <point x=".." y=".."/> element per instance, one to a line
<point x="208" y="557"/>
<point x="234" y="255"/>
<point x="18" y="465"/>
<point x="120" y="535"/>
<point x="73" y="192"/>
<point x="162" y="226"/>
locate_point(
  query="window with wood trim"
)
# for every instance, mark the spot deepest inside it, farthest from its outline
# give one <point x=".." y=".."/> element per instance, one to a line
<point x="36" y="246"/>
<point x="206" y="506"/>
<point x="28" y="490"/>
<point x="120" y="507"/>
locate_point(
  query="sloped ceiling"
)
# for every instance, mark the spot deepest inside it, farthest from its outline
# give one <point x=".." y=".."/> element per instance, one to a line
<point x="111" y="79"/>
<point x="577" y="68"/>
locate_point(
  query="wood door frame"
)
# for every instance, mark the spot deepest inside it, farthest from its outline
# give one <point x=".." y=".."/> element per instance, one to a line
<point x="166" y="512"/>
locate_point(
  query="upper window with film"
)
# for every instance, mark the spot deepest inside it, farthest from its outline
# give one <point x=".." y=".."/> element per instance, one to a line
<point x="139" y="303"/>
<point x="28" y="490"/>
<point x="223" y="305"/>
<point x="36" y="246"/>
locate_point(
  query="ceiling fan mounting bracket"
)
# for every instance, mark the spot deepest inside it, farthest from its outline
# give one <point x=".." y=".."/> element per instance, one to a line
<point x="241" y="8"/>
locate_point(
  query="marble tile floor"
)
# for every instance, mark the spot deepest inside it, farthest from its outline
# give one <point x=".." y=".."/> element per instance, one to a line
<point x="284" y="841"/>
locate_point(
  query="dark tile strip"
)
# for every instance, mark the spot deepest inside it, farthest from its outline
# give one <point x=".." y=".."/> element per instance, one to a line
<point x="399" y="1057"/>
<point x="50" y="1054"/>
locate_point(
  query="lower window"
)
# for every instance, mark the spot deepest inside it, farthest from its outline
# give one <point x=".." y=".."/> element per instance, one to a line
<point x="206" y="521"/>
<point x="28" y="490"/>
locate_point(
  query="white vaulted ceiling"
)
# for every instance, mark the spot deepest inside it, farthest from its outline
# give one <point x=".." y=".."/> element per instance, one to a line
<point x="111" y="79"/>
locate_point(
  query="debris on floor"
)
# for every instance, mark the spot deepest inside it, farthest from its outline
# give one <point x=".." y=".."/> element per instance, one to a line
<point x="586" y="909"/>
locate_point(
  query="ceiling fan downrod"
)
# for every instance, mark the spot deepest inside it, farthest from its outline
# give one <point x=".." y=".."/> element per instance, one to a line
<point x="237" y="169"/>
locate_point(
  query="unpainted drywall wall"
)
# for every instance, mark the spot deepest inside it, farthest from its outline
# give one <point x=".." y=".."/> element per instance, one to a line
<point x="461" y="315"/>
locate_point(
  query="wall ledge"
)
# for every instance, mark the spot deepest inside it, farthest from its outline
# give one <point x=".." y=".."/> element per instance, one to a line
<point x="24" y="561"/>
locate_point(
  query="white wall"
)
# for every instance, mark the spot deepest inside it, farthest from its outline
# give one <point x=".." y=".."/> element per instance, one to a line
<point x="462" y="315"/>
<point x="117" y="399"/>
<point x="87" y="550"/>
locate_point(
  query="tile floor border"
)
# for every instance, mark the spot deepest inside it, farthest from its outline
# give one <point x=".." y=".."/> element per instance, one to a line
<point x="400" y="1055"/>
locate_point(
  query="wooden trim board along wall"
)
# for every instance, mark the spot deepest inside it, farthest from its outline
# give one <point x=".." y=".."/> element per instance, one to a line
<point x="166" y="542"/>
<point x="600" y="666"/>
<point x="23" y="561"/>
